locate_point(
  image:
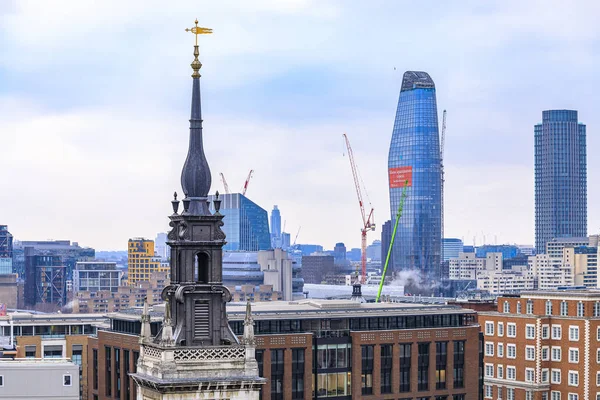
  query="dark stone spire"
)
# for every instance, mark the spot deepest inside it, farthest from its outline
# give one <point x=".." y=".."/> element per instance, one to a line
<point x="195" y="176"/>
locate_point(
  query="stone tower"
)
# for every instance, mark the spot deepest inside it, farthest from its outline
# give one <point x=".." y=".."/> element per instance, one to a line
<point x="196" y="355"/>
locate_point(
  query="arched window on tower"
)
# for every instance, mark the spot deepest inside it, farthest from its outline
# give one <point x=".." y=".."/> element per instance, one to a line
<point x="201" y="269"/>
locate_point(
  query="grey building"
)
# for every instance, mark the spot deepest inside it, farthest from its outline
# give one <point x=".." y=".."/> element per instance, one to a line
<point x="386" y="238"/>
<point x="94" y="276"/>
<point x="316" y="267"/>
<point x="374" y="251"/>
<point x="276" y="239"/>
<point x="560" y="177"/>
<point x="69" y="252"/>
<point x="41" y="379"/>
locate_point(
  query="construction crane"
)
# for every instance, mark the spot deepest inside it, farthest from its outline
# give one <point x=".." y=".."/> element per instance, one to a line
<point x="389" y="252"/>
<point x="368" y="224"/>
<point x="296" y="238"/>
<point x="225" y="185"/>
<point x="247" y="181"/>
<point x="442" y="142"/>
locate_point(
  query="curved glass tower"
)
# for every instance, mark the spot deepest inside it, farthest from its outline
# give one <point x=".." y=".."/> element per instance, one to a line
<point x="414" y="161"/>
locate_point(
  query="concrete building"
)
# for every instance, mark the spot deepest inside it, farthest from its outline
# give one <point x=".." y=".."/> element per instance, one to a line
<point x="10" y="295"/>
<point x="543" y="345"/>
<point x="39" y="379"/>
<point x="142" y="261"/>
<point x="280" y="272"/>
<point x="560" y="177"/>
<point x="94" y="276"/>
<point x="331" y="349"/>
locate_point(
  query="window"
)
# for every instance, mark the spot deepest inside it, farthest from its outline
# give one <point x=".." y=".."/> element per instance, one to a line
<point x="556" y="353"/>
<point x="555" y="376"/>
<point x="95" y="368"/>
<point x="489" y="392"/>
<point x="277" y="366"/>
<point x="529" y="331"/>
<point x="574" y="333"/>
<point x="556" y="332"/>
<point x="530" y="353"/>
<point x="405" y="363"/>
<point x="573" y="355"/>
<point x="511" y="373"/>
<point x="529" y="306"/>
<point x="441" y="360"/>
<point x="367" y="369"/>
<point x="260" y="358"/>
<point x="529" y="375"/>
<point x="1" y="380"/>
<point x="511" y="351"/>
<point x="511" y="330"/>
<point x="598" y="356"/>
<point x="597" y="378"/>
<point x="126" y="363"/>
<point x="506" y="307"/>
<point x="489" y="349"/>
<point x="555" y="395"/>
<point x="489" y="370"/>
<point x="53" y="351"/>
<point x="500" y="349"/>
<point x="510" y="394"/>
<point x="573" y="396"/>
<point x="117" y="373"/>
<point x="580" y="309"/>
<point x="30" y="351"/>
<point x="500" y="372"/>
<point x="529" y="395"/>
<point x="298" y="374"/>
<point x="573" y="378"/>
<point x="67" y="380"/>
<point x="500" y="328"/>
<point x="489" y="328"/>
<point x="545" y="375"/>
<point x="548" y="307"/>
<point x="459" y="364"/>
<point x="545" y="353"/>
<point x="386" y="368"/>
<point x="564" y="308"/>
<point x="518" y="307"/>
<point x="597" y="309"/>
<point x="108" y="369"/>
<point x="423" y="366"/>
<point x="545" y="332"/>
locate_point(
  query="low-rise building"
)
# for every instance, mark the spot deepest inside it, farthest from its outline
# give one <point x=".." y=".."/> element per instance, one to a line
<point x="39" y="379"/>
<point x="95" y="276"/>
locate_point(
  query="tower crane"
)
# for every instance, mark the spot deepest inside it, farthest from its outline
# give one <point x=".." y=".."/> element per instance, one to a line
<point x="296" y="238"/>
<point x="442" y="143"/>
<point x="247" y="181"/>
<point x="225" y="185"/>
<point x="368" y="224"/>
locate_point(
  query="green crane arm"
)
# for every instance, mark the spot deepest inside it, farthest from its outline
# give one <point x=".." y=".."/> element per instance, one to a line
<point x="389" y="253"/>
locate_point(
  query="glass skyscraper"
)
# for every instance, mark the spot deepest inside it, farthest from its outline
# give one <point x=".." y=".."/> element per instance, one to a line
<point x="246" y="224"/>
<point x="560" y="178"/>
<point x="414" y="161"/>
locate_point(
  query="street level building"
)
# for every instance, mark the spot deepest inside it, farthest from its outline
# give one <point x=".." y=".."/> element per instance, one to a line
<point x="543" y="345"/>
<point x="560" y="177"/>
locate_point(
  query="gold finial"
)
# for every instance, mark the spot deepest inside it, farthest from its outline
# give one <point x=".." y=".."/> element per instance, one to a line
<point x="197" y="30"/>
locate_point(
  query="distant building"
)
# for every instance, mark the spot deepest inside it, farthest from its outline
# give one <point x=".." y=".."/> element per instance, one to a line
<point x="468" y="249"/>
<point x="94" y="276"/>
<point x="339" y="253"/>
<point x="560" y="177"/>
<point x="10" y="290"/>
<point x="354" y="254"/>
<point x="315" y="268"/>
<point x="160" y="246"/>
<point x="285" y="240"/>
<point x="69" y="252"/>
<point x="276" y="239"/>
<point x="526" y="249"/>
<point x="386" y="237"/>
<point x="142" y="261"/>
<point x="45" y="281"/>
<point x="508" y="251"/>
<point x="6" y="251"/>
<point x="452" y="248"/>
<point x="39" y="379"/>
<point x="374" y="251"/>
<point x="246" y="223"/>
<point x="308" y="249"/>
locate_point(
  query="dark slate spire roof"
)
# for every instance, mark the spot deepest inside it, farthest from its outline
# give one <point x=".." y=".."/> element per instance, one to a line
<point x="416" y="79"/>
<point x="195" y="176"/>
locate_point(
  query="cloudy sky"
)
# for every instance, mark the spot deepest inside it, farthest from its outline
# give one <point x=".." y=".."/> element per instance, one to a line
<point x="94" y="108"/>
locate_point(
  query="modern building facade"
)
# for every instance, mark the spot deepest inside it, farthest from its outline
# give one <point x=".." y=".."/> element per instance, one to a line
<point x="246" y="223"/>
<point x="142" y="261"/>
<point x="94" y="276"/>
<point x="69" y="253"/>
<point x="316" y="267"/>
<point x="6" y="251"/>
<point x="45" y="281"/>
<point x="560" y="177"/>
<point x="414" y="165"/>
<point x="276" y="239"/>
<point x="543" y="345"/>
<point x="386" y="238"/>
<point x="160" y="246"/>
<point x="452" y="248"/>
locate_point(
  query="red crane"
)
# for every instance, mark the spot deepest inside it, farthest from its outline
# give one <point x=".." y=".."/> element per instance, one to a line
<point x="368" y="223"/>
<point x="247" y="181"/>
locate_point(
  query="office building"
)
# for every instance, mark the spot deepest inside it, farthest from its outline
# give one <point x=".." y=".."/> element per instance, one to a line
<point x="308" y="249"/>
<point x="45" y="283"/>
<point x="142" y="261"/>
<point x="69" y="253"/>
<point x="339" y="253"/>
<point x="160" y="246"/>
<point x="39" y="379"/>
<point x="560" y="177"/>
<point x="94" y="276"/>
<point x="386" y="238"/>
<point x="316" y="267"/>
<point x="414" y="165"/>
<point x="342" y="349"/>
<point x="276" y="234"/>
<point x="507" y="250"/>
<point x="11" y="292"/>
<point x="452" y="248"/>
<point x="6" y="251"/>
<point x="374" y="251"/>
<point x="246" y="223"/>
<point x="543" y="345"/>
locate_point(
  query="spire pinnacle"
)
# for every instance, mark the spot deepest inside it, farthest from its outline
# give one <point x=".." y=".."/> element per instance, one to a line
<point x="146" y="331"/>
<point x="248" y="337"/>
<point x="197" y="30"/>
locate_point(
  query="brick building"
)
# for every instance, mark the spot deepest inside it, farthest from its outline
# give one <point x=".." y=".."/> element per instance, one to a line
<point x="336" y="349"/>
<point x="543" y="345"/>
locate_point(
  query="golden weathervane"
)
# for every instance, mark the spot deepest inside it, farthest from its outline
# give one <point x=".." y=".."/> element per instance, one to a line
<point x="197" y="30"/>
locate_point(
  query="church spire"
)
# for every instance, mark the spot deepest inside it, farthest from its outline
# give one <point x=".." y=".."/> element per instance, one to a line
<point x="195" y="176"/>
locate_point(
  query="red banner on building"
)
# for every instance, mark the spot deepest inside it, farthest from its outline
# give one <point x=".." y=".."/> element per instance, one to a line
<point x="400" y="177"/>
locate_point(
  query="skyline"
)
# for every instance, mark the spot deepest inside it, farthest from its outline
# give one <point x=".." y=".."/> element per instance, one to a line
<point x="109" y="121"/>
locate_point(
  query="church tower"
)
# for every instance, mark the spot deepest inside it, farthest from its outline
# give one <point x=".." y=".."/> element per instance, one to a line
<point x="196" y="355"/>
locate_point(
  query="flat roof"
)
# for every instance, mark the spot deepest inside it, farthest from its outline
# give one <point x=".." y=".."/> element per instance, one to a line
<point x="567" y="292"/>
<point x="24" y="318"/>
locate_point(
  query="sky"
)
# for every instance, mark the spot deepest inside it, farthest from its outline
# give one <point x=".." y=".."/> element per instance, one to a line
<point x="95" y="102"/>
